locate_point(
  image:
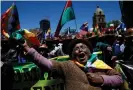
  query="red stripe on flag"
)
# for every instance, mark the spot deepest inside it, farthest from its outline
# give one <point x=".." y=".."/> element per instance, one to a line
<point x="68" y="4"/>
<point x="69" y="16"/>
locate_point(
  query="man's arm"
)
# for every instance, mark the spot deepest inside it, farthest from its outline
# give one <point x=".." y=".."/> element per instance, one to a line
<point x="112" y="79"/>
<point x="39" y="60"/>
<point x="42" y="62"/>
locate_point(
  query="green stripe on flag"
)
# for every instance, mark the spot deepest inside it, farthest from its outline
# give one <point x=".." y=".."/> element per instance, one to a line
<point x="68" y="15"/>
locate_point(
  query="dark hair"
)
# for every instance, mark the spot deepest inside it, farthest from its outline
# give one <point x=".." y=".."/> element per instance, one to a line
<point x="76" y="41"/>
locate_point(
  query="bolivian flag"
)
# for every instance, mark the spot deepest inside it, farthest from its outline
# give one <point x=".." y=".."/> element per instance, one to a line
<point x="99" y="64"/>
<point x="66" y="16"/>
<point x="96" y="63"/>
<point x="27" y="35"/>
<point x="31" y="38"/>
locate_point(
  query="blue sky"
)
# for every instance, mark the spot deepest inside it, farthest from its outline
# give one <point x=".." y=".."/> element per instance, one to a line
<point x="31" y="12"/>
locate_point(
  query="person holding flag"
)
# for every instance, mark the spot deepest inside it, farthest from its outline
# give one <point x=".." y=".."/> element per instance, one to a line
<point x="83" y="72"/>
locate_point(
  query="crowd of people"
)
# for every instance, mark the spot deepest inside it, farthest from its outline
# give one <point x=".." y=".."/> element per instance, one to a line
<point x="80" y="51"/>
<point x="93" y="57"/>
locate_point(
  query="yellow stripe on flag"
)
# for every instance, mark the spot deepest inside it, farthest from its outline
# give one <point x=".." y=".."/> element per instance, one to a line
<point x="31" y="38"/>
<point x="99" y="64"/>
<point x="28" y="34"/>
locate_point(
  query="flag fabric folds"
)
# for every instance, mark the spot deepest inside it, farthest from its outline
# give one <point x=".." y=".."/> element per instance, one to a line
<point x="84" y="27"/>
<point x="31" y="38"/>
<point x="4" y="22"/>
<point x="99" y="64"/>
<point x="94" y="63"/>
<point x="27" y="35"/>
<point x="13" y="22"/>
<point x="67" y="15"/>
<point x="10" y="21"/>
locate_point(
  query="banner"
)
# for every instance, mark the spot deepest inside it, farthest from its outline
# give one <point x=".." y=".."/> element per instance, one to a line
<point x="29" y="77"/>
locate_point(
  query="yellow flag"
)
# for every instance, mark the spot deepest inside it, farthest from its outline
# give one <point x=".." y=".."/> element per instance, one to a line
<point x="31" y="38"/>
<point x="99" y="64"/>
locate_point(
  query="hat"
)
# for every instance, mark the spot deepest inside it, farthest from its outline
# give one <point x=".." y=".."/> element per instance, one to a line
<point x="76" y="41"/>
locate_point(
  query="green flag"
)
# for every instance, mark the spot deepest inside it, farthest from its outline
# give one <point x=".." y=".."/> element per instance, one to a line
<point x="67" y="15"/>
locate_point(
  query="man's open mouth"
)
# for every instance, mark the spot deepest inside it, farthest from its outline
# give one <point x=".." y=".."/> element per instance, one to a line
<point x="81" y="56"/>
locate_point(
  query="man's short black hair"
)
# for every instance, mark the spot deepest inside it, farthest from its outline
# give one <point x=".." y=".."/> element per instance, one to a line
<point x="76" y="41"/>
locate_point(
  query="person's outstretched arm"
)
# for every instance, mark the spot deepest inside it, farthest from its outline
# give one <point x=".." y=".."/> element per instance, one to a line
<point x="37" y="58"/>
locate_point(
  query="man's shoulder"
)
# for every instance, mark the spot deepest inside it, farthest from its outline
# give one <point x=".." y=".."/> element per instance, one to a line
<point x="69" y="62"/>
<point x="64" y="65"/>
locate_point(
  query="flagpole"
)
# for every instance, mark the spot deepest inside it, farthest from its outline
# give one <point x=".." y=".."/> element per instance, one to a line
<point x="58" y="27"/>
<point x="76" y="24"/>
